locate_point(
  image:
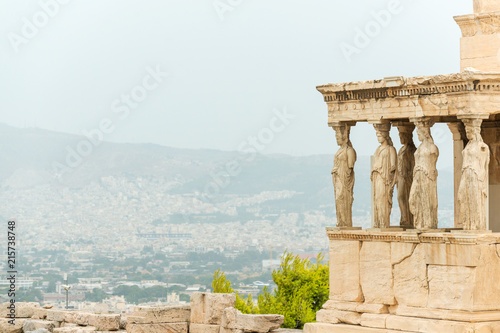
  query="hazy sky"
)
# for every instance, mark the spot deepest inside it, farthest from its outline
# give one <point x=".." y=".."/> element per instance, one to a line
<point x="231" y="64"/>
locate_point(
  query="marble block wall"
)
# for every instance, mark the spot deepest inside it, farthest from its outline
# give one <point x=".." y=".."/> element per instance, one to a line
<point x="412" y="282"/>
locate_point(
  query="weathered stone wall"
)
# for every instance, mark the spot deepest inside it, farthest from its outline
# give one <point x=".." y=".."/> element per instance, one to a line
<point x="207" y="313"/>
<point x="30" y="317"/>
<point x="404" y="281"/>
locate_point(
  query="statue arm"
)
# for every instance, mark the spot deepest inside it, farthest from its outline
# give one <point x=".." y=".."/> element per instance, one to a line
<point x="487" y="156"/>
<point x="497" y="154"/>
<point x="351" y="158"/>
<point x="394" y="165"/>
<point x="394" y="160"/>
<point x="435" y="150"/>
<point x="486" y="160"/>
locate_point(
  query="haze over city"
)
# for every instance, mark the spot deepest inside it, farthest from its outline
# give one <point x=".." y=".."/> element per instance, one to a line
<point x="227" y="67"/>
<point x="147" y="144"/>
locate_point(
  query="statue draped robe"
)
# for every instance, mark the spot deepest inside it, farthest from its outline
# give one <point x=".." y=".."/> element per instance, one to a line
<point x="343" y="185"/>
<point x="406" y="163"/>
<point x="383" y="178"/>
<point x="473" y="189"/>
<point x="423" y="195"/>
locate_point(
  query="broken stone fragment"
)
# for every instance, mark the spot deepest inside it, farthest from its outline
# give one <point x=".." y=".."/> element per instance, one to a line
<point x="105" y="322"/>
<point x="233" y="319"/>
<point x="6" y="327"/>
<point x="22" y="309"/>
<point x="33" y="325"/>
<point x="207" y="308"/>
<point x="161" y="314"/>
<point x="158" y="328"/>
<point x="203" y="328"/>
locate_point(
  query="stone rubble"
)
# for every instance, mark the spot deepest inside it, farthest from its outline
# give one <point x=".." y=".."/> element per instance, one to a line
<point x="40" y="330"/>
<point x="233" y="321"/>
<point x="23" y="309"/>
<point x="33" y="325"/>
<point x="207" y="313"/>
<point x="159" y="319"/>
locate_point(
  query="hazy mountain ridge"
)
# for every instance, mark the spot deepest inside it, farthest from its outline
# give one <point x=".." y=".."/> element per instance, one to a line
<point x="28" y="156"/>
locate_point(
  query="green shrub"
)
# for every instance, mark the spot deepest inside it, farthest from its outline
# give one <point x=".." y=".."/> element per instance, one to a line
<point x="222" y="285"/>
<point x="301" y="290"/>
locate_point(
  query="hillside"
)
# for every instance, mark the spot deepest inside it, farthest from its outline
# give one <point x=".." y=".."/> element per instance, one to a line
<point x="28" y="160"/>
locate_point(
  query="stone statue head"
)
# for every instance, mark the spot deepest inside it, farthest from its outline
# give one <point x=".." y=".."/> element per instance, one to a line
<point x="382" y="136"/>
<point x="406" y="133"/>
<point x="341" y="134"/>
<point x="383" y="133"/>
<point x="424" y="128"/>
<point x="473" y="129"/>
<point x="423" y="132"/>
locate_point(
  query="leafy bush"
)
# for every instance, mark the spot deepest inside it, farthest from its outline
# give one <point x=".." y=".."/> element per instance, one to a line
<point x="221" y="285"/>
<point x="96" y="295"/>
<point x="302" y="289"/>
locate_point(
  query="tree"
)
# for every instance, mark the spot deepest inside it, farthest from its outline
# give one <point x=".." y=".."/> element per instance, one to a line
<point x="221" y="285"/>
<point x="132" y="294"/>
<point x="96" y="295"/>
<point x="184" y="298"/>
<point x="51" y="288"/>
<point x="302" y="289"/>
<point x="29" y="295"/>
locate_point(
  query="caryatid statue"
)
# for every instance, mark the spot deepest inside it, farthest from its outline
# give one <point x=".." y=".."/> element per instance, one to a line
<point x="383" y="176"/>
<point x="473" y="189"/>
<point x="406" y="163"/>
<point x="494" y="145"/>
<point x="423" y="194"/>
<point x="343" y="175"/>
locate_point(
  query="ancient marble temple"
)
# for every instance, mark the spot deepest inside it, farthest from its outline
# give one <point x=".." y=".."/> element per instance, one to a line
<point x="416" y="276"/>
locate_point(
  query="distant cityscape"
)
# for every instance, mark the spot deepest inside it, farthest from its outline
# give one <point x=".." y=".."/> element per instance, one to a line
<point x="125" y="231"/>
<point x="114" y="234"/>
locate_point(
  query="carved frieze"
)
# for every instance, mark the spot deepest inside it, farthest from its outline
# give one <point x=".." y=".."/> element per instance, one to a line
<point x="479" y="24"/>
<point x="414" y="237"/>
<point x="431" y="96"/>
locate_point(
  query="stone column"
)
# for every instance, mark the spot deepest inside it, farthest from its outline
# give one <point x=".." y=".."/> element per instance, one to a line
<point x="491" y="136"/>
<point x="480" y="38"/>
<point x="486" y="6"/>
<point x="423" y="194"/>
<point x="406" y="163"/>
<point x="343" y="174"/>
<point x="459" y="142"/>
<point x="473" y="189"/>
<point x="383" y="176"/>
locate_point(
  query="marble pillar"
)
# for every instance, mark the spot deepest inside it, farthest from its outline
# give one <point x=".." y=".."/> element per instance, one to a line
<point x="406" y="163"/>
<point x="343" y="175"/>
<point x="491" y="136"/>
<point x="383" y="176"/>
<point x="423" y="195"/>
<point x="473" y="189"/>
<point x="459" y="142"/>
